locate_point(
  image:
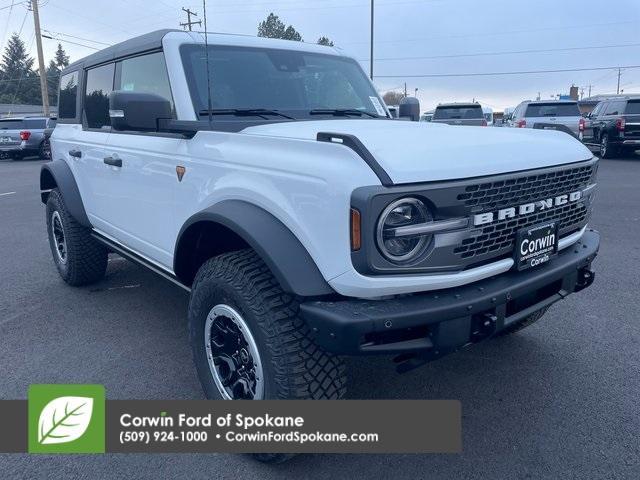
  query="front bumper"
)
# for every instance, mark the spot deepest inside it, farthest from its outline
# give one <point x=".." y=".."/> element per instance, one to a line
<point x="436" y="323"/>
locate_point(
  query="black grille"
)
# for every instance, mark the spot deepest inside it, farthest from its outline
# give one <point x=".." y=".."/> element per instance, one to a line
<point x="498" y="239"/>
<point x="500" y="236"/>
<point x="505" y="193"/>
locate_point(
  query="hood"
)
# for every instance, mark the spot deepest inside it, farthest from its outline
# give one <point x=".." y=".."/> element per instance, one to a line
<point x="422" y="152"/>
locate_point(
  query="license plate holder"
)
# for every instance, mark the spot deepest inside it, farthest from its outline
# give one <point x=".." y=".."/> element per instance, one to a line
<point x="536" y="245"/>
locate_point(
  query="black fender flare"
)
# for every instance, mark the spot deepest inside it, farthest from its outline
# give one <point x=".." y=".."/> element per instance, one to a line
<point x="279" y="248"/>
<point x="63" y="180"/>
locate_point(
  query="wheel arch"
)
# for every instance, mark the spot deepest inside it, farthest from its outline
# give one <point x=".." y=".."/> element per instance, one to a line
<point x="234" y="225"/>
<point x="57" y="174"/>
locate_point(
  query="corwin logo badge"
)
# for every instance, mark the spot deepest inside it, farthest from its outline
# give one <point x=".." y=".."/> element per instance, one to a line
<point x="526" y="209"/>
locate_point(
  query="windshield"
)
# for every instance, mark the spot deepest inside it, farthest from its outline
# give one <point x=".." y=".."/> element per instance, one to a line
<point x="552" y="110"/>
<point x="458" y="113"/>
<point x="290" y="82"/>
<point x="633" y="108"/>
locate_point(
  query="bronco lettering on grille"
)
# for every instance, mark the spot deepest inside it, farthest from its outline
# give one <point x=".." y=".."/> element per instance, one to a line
<point x="526" y="209"/>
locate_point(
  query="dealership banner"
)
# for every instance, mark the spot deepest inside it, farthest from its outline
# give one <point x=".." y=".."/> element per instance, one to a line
<point x="78" y="419"/>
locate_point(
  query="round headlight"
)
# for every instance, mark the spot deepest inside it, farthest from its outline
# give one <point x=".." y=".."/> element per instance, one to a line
<point x="405" y="247"/>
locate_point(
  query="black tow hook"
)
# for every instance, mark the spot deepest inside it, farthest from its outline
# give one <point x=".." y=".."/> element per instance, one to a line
<point x="585" y="279"/>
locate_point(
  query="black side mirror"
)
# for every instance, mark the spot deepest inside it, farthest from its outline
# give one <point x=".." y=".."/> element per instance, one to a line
<point x="137" y="111"/>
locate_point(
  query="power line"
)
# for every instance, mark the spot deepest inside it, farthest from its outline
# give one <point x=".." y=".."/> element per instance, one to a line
<point x="69" y="41"/>
<point x="513" y="52"/>
<point x="77" y="38"/>
<point x="524" y="72"/>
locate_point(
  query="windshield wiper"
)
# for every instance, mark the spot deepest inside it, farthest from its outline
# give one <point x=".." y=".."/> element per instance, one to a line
<point x="342" y="112"/>
<point x="244" y="112"/>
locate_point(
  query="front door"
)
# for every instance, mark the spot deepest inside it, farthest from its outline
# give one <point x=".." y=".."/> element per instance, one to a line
<point x="139" y="170"/>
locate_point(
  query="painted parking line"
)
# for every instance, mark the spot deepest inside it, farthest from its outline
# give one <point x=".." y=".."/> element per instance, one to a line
<point x="7" y="193"/>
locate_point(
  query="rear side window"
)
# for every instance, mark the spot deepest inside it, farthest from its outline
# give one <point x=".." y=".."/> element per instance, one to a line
<point x="552" y="110"/>
<point x="96" y="97"/>
<point x="615" y="108"/>
<point x="633" y="108"/>
<point x="458" y="113"/>
<point x="11" y="124"/>
<point x="68" y="95"/>
<point x="144" y="74"/>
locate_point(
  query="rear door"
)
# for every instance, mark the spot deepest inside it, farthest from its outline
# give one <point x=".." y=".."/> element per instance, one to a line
<point x="590" y="123"/>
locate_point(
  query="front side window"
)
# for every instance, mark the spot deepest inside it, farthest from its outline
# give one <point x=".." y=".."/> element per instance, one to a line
<point x="68" y="95"/>
<point x="298" y="84"/>
<point x="96" y="98"/>
<point x="144" y="74"/>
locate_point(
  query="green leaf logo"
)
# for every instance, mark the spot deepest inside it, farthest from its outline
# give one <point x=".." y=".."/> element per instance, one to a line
<point x="64" y="419"/>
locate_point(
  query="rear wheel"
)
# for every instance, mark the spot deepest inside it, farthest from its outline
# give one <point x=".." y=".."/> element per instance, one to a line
<point x="524" y="323"/>
<point x="79" y="258"/>
<point x="606" y="149"/>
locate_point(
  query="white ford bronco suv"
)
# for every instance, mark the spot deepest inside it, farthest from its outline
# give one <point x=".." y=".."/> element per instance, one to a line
<point x="267" y="178"/>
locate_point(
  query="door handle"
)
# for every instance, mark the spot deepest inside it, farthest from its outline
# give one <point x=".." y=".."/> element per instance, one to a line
<point x="114" y="162"/>
<point x="75" y="153"/>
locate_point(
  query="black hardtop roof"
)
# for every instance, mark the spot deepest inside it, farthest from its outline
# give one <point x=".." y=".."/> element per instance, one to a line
<point x="142" y="43"/>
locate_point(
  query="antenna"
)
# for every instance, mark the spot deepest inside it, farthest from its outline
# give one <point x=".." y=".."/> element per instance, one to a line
<point x="206" y="55"/>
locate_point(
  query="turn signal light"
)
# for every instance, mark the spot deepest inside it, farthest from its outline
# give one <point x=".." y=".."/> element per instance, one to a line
<point x="356" y="241"/>
<point x="521" y="123"/>
<point x="581" y="123"/>
<point x="24" y="135"/>
<point x="620" y="124"/>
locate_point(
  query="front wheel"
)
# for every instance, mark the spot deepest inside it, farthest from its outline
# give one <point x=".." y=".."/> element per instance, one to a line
<point x="247" y="339"/>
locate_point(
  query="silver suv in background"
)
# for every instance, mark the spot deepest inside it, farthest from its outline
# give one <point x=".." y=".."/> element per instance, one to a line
<point x="549" y="115"/>
<point x="460" y="114"/>
<point x="26" y="136"/>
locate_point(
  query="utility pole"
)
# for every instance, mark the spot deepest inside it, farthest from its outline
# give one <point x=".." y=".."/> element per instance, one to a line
<point x="33" y="4"/>
<point x="405" y="89"/>
<point x="188" y="23"/>
<point x="371" y="60"/>
<point x="589" y="89"/>
<point x="618" y="89"/>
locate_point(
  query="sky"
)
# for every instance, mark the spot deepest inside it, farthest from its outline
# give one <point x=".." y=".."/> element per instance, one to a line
<point x="452" y="40"/>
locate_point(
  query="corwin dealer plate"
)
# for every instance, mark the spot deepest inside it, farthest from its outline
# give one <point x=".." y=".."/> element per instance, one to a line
<point x="536" y="245"/>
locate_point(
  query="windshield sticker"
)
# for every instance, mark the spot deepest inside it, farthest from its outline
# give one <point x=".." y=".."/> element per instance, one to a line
<point x="378" y="106"/>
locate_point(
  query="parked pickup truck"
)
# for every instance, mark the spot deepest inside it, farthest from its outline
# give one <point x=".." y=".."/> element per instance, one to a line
<point x="469" y="114"/>
<point x="614" y="126"/>
<point x="304" y="221"/>
<point x="24" y="136"/>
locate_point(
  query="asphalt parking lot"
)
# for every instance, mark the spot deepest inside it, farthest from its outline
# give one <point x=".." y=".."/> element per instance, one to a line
<point x="558" y="400"/>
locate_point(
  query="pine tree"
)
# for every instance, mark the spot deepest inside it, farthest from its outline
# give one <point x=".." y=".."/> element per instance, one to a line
<point x="19" y="82"/>
<point x="325" y="41"/>
<point x="59" y="62"/>
<point x="273" y="27"/>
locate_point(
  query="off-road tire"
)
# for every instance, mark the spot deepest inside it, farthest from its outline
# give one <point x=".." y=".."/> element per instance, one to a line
<point x="86" y="258"/>
<point x="524" y="323"/>
<point x="294" y="366"/>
